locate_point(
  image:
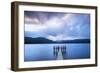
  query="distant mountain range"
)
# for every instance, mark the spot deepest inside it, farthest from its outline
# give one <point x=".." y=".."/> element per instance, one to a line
<point x="42" y="40"/>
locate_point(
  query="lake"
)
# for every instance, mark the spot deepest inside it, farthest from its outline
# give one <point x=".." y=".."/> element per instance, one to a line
<point x="44" y="52"/>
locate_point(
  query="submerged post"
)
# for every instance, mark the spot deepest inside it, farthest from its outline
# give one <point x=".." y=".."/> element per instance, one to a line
<point x="59" y="52"/>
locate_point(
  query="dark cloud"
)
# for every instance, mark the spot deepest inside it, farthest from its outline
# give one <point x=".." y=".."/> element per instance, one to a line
<point x="70" y="24"/>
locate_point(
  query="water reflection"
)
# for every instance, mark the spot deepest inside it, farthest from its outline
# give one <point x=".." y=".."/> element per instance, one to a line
<point x="38" y="52"/>
<point x="59" y="49"/>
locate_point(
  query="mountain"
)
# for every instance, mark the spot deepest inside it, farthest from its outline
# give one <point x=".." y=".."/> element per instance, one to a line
<point x="29" y="40"/>
<point x="77" y="41"/>
<point x="41" y="40"/>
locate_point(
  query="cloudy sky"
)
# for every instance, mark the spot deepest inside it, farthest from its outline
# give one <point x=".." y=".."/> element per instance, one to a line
<point x="56" y="25"/>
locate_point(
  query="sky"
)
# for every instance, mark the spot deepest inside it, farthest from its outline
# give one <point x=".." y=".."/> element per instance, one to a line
<point x="57" y="25"/>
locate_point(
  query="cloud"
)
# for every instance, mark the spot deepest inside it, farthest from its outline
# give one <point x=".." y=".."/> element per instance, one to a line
<point x="63" y="37"/>
<point x="57" y="37"/>
<point x="54" y="23"/>
<point x="60" y="26"/>
<point x="35" y="28"/>
<point x="29" y="20"/>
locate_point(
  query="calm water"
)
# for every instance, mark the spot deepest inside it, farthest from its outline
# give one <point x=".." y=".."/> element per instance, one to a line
<point x="38" y="52"/>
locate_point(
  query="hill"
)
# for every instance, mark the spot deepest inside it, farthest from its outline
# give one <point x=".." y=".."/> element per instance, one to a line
<point x="41" y="40"/>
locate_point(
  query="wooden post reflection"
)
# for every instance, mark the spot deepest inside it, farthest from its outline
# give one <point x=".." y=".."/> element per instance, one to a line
<point x="57" y="49"/>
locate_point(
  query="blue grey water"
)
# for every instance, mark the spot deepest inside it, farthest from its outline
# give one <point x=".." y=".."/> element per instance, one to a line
<point x="44" y="52"/>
